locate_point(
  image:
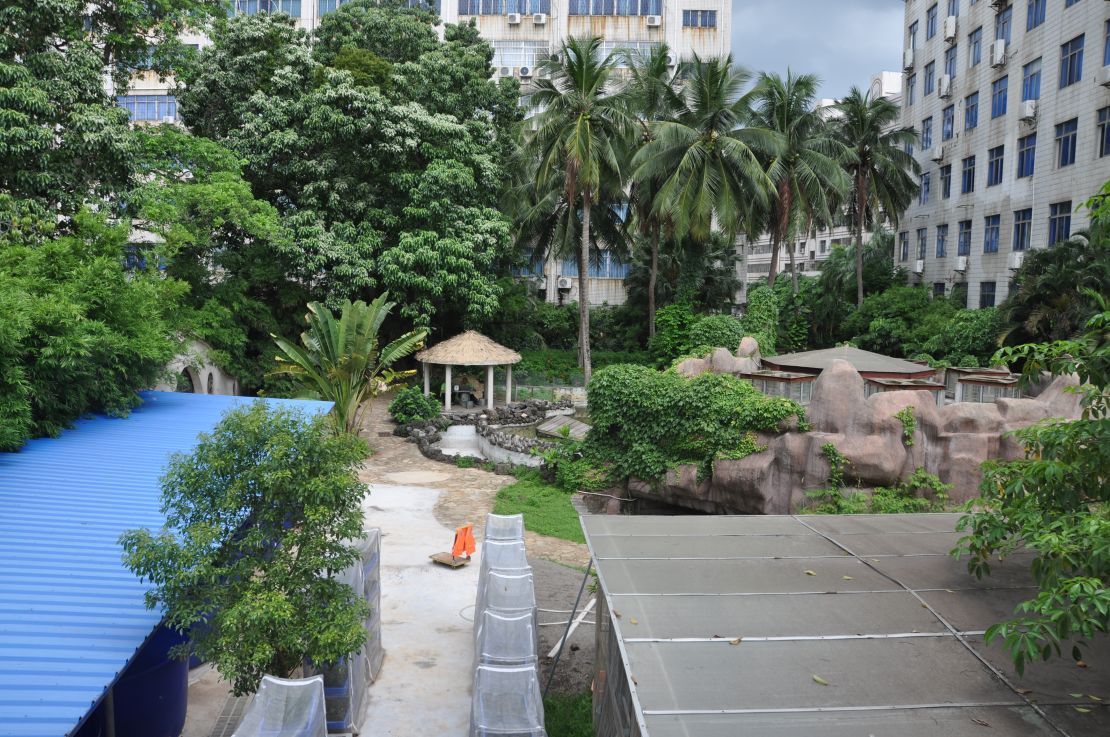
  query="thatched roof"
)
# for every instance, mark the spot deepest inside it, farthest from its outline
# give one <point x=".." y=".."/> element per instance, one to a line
<point x="469" y="349"/>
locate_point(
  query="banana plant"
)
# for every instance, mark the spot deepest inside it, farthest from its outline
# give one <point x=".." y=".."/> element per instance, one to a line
<point x="341" y="361"/>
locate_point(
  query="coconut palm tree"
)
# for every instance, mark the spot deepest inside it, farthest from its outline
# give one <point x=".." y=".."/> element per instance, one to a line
<point x="652" y="98"/>
<point x="342" y="360"/>
<point x="883" y="173"/>
<point x="578" y="140"/>
<point x="807" y="165"/>
<point x="705" y="158"/>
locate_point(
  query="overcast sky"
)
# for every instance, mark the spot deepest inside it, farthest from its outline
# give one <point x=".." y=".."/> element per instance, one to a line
<point x="844" y="41"/>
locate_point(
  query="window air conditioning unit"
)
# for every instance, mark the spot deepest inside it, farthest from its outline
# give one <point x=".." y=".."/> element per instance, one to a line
<point x="998" y="53"/>
<point x="1028" y="111"/>
<point x="505" y="72"/>
<point x="525" y="72"/>
<point x="919" y="266"/>
<point x="564" y="282"/>
<point x="539" y="19"/>
<point x="950" y="24"/>
<point x="937" y="154"/>
<point x="654" y="21"/>
<point x="1102" y="76"/>
<point x="945" y="86"/>
<point x="961" y="264"/>
<point x="907" y="59"/>
<point x="1016" y="259"/>
<point x="514" y="19"/>
<point x="672" y="59"/>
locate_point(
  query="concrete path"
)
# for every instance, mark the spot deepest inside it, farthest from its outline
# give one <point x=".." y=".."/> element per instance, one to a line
<point x="427" y="613"/>
<point x="460" y="440"/>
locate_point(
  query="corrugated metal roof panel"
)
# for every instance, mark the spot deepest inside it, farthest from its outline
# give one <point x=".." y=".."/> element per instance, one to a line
<point x="71" y="616"/>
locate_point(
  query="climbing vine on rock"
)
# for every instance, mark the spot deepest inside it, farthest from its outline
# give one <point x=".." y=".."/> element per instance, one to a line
<point x="909" y="424"/>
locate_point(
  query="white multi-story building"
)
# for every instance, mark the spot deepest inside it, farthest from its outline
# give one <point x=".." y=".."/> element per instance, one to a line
<point x="813" y="248"/>
<point x="1011" y="101"/>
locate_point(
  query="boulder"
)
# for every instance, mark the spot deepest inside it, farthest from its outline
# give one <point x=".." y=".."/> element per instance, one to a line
<point x="964" y="454"/>
<point x="838" y="393"/>
<point x="970" y="417"/>
<point x="749" y="348"/>
<point x="1061" y="401"/>
<point x="692" y="367"/>
<point x="721" y="361"/>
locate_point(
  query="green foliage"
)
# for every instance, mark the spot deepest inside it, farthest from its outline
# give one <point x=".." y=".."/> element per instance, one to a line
<point x="837" y="463"/>
<point x="921" y="492"/>
<point x="257" y="519"/>
<point x="909" y="424"/>
<point x="547" y="509"/>
<point x="342" y="360"/>
<point x="367" y="68"/>
<point x="561" y="367"/>
<point x="1055" y="502"/>
<point x="410" y="405"/>
<point x="570" y="468"/>
<point x="969" y="333"/>
<point x="672" y="329"/>
<point x="645" y="421"/>
<point x="392" y="30"/>
<point x="82" y="335"/>
<point x="569" y="716"/>
<point x="701" y="274"/>
<point x="466" y="462"/>
<point x="761" y="319"/>
<point x="716" y="331"/>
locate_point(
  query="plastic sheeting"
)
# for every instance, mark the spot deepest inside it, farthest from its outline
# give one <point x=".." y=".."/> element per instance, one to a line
<point x="507" y="701"/>
<point x="507" y="698"/>
<point x="286" y="708"/>
<point x="346" y="682"/>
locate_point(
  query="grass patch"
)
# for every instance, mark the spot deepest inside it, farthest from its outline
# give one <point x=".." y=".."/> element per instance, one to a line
<point x="547" y="509"/>
<point x="569" y="716"/>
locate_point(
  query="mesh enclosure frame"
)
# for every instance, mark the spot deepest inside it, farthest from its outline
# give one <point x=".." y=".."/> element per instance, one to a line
<point x="286" y="707"/>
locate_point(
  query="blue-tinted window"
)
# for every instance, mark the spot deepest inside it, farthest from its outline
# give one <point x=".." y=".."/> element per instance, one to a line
<point x="903" y="246"/>
<point x="991" y="226"/>
<point x="254" y="7"/>
<point x="953" y="7"/>
<point x="950" y="62"/>
<point x="975" y="47"/>
<point x="1071" y="62"/>
<point x="1066" y="135"/>
<point x="963" y="242"/>
<point x="926" y="134"/>
<point x="995" y="158"/>
<point x="1034" y="14"/>
<point x="923" y="193"/>
<point x="942" y="241"/>
<point x="1027" y="155"/>
<point x="1031" y="80"/>
<point x="149" y="107"/>
<point x="971" y="111"/>
<point x="911" y="89"/>
<point x="946" y="181"/>
<point x="699" y="18"/>
<point x="1106" y="47"/>
<point x="930" y="82"/>
<point x="911" y="35"/>
<point x="967" y="181"/>
<point x="1003" y="25"/>
<point x="948" y="123"/>
<point x="1104" y="132"/>
<point x="922" y="242"/>
<point x="1023" y="228"/>
<point x="1059" y="222"/>
<point x="986" y="294"/>
<point x="999" y="93"/>
<point x="1069" y="3"/>
<point x="930" y="22"/>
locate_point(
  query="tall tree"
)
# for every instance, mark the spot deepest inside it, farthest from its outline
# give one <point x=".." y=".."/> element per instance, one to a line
<point x="578" y="138"/>
<point x="653" y="98"/>
<point x="881" y="168"/>
<point x="807" y="164"/>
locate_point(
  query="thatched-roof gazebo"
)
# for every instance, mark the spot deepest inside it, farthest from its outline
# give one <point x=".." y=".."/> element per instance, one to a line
<point x="469" y="349"/>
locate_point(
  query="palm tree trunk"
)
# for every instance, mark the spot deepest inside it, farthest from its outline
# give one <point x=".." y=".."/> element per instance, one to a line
<point x="861" y="202"/>
<point x="774" y="260"/>
<point x="584" y="289"/>
<point x="785" y="205"/>
<point x="653" y="278"/>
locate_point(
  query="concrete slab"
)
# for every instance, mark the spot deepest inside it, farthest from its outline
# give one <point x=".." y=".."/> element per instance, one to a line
<point x="418" y="478"/>
<point x="427" y="619"/>
<point x="460" y="440"/>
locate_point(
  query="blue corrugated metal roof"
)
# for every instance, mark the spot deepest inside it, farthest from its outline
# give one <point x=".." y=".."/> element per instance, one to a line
<point x="71" y="616"/>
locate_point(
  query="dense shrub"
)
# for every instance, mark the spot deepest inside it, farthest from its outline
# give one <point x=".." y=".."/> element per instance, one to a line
<point x="969" y="334"/>
<point x="646" y="421"/>
<point x="761" y="319"/>
<point x="716" y="331"/>
<point x="561" y="366"/>
<point x="410" y="405"/>
<point x="672" y="330"/>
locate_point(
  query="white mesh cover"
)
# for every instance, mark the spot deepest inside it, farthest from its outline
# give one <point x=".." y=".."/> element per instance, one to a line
<point x="506" y="701"/>
<point x="504" y="526"/>
<point x="506" y="640"/>
<point x="503" y="556"/>
<point x="286" y="708"/>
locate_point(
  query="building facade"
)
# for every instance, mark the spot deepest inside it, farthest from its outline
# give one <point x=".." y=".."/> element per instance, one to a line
<point x="1011" y="101"/>
<point x="812" y="249"/>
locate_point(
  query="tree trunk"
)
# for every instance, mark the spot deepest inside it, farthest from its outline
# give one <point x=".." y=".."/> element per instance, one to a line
<point x="784" y="204"/>
<point x="861" y="202"/>
<point x="774" y="260"/>
<point x="653" y="279"/>
<point x="584" y="289"/>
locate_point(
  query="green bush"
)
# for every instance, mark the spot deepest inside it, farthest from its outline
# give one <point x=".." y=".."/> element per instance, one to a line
<point x="410" y="405"/>
<point x="645" y="422"/>
<point x="716" y="331"/>
<point x="761" y="319"/>
<point x="561" y="366"/>
<point x="672" y="331"/>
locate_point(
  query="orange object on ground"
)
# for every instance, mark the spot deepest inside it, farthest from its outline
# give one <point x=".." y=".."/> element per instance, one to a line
<point x="464" y="542"/>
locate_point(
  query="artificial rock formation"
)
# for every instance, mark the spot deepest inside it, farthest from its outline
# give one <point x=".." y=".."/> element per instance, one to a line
<point x="951" y="442"/>
<point x="722" y="361"/>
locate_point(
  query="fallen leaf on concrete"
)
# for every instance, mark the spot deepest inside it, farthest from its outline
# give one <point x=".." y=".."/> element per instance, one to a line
<point x="810" y="573"/>
<point x="1082" y="710"/>
<point x="734" y="642"/>
<point x="632" y="620"/>
<point x="981" y="722"/>
<point x="848" y="578"/>
<point x="820" y="681"/>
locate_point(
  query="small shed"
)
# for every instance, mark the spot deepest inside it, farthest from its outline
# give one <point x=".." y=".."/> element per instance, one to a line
<point x="869" y="365"/>
<point x="955" y="374"/>
<point x="469" y="349"/>
<point x="788" y="384"/>
<point x="936" y="388"/>
<point x="985" y="388"/>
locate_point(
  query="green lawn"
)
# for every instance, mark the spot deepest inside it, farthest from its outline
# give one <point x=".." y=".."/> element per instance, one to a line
<point x="547" y="510"/>
<point x="569" y="716"/>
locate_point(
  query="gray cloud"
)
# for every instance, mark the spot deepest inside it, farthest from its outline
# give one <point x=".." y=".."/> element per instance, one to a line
<point x="843" y="41"/>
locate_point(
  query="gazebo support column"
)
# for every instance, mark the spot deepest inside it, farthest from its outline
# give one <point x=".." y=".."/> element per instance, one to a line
<point x="489" y="387"/>
<point x="509" y="384"/>
<point x="427" y="380"/>
<point x="447" y="391"/>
